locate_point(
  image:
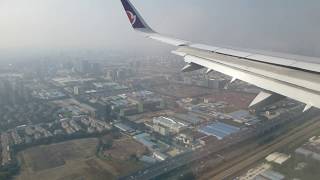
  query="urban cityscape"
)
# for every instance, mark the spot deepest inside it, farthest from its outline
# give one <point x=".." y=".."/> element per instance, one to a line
<point x="159" y="90"/>
<point x="114" y="116"/>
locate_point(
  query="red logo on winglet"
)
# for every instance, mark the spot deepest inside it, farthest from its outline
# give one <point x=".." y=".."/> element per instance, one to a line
<point x="132" y="17"/>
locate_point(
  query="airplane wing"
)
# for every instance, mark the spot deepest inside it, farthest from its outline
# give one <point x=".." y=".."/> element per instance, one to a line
<point x="280" y="77"/>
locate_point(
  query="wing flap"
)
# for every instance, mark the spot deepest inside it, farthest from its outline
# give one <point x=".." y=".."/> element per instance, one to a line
<point x="299" y="93"/>
<point x="235" y="53"/>
<point x="205" y="47"/>
<point x="292" y="76"/>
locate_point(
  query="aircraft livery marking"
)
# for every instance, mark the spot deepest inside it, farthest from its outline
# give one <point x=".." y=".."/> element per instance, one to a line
<point x="131" y="17"/>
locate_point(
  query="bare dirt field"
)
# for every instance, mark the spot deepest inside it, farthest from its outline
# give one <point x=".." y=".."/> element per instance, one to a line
<point x="181" y="91"/>
<point x="123" y="148"/>
<point x="71" y="160"/>
<point x="237" y="99"/>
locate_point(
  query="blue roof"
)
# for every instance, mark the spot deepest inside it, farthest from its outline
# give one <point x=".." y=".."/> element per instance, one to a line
<point x="239" y="114"/>
<point x="219" y="130"/>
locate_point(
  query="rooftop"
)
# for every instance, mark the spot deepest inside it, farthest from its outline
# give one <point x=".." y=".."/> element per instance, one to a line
<point x="219" y="130"/>
<point x="168" y="122"/>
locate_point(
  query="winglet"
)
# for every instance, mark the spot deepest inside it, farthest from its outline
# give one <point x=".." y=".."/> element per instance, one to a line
<point x="140" y="25"/>
<point x="135" y="18"/>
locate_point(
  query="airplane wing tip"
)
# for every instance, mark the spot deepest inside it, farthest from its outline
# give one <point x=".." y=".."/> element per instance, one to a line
<point x="136" y="20"/>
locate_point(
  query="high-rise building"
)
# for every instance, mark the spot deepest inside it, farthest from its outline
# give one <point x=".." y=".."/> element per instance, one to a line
<point x="76" y="90"/>
<point x="84" y="66"/>
<point x="96" y="68"/>
<point x="13" y="91"/>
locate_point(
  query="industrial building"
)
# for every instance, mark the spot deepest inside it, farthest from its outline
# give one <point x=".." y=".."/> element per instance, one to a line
<point x="244" y="117"/>
<point x="124" y="128"/>
<point x="189" y="137"/>
<point x="134" y="103"/>
<point x="219" y="130"/>
<point x="311" y="149"/>
<point x="190" y="118"/>
<point x="150" y="143"/>
<point x="278" y="158"/>
<point x="262" y="172"/>
<point x="166" y="126"/>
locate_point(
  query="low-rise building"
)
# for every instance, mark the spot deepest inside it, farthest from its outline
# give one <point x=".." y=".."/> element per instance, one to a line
<point x="206" y="140"/>
<point x="16" y="137"/>
<point x="262" y="172"/>
<point x="310" y="149"/>
<point x="5" y="147"/>
<point x="244" y="117"/>
<point x="159" y="156"/>
<point x="189" y="137"/>
<point x="278" y="158"/>
<point x="125" y="128"/>
<point x="164" y="125"/>
<point x="219" y="130"/>
<point x="270" y="175"/>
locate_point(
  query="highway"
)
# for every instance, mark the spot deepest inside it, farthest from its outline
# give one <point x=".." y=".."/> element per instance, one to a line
<point x="234" y="166"/>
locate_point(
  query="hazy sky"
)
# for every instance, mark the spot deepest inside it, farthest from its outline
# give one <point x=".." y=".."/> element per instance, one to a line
<point x="278" y="25"/>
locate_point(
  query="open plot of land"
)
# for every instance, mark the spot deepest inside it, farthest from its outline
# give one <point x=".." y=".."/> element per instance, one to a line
<point x="237" y="99"/>
<point x="71" y="160"/>
<point x="74" y="105"/>
<point x="182" y="91"/>
<point x="124" y="147"/>
<point x="38" y="160"/>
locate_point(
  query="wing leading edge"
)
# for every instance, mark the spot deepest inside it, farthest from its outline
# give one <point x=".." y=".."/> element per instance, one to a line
<point x="292" y="78"/>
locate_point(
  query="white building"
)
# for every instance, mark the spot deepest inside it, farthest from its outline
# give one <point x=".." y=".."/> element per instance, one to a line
<point x="76" y="90"/>
<point x="165" y="125"/>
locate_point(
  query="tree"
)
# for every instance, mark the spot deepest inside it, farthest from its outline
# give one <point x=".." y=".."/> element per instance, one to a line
<point x="115" y="133"/>
<point x="108" y="144"/>
<point x="4" y="175"/>
<point x="134" y="157"/>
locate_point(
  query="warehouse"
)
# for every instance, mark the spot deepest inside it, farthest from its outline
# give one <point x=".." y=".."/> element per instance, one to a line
<point x="219" y="130"/>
